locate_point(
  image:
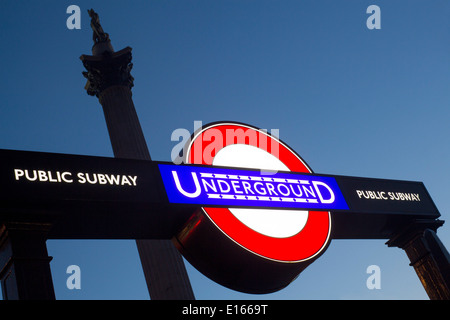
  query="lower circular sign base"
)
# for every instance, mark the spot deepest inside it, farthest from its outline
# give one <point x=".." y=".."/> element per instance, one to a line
<point x="229" y="264"/>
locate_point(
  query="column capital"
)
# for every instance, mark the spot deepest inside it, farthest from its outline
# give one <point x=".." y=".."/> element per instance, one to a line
<point x="107" y="70"/>
<point x="427" y="255"/>
<point x="411" y="232"/>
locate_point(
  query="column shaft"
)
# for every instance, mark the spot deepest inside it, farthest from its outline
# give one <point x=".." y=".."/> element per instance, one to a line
<point x="163" y="265"/>
<point x="428" y="256"/>
<point x="24" y="262"/>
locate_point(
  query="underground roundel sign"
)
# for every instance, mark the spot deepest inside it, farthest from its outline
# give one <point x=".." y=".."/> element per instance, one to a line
<point x="246" y="249"/>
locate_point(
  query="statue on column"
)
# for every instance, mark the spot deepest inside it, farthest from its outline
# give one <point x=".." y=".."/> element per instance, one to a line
<point x="102" y="44"/>
<point x="99" y="35"/>
<point x="105" y="67"/>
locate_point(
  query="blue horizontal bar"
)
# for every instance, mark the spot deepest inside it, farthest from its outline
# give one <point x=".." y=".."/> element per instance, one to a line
<point x="214" y="186"/>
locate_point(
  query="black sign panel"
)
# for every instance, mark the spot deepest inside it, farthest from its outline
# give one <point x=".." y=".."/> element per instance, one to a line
<point x="378" y="207"/>
<point x="382" y="196"/>
<point x="87" y="197"/>
<point x="48" y="177"/>
<point x="99" y="197"/>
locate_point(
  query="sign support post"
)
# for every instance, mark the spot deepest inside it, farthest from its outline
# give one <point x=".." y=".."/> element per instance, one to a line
<point x="428" y="256"/>
<point x="110" y="80"/>
<point x="24" y="262"/>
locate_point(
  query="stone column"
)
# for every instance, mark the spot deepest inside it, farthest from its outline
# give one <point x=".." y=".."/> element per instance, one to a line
<point x="428" y="256"/>
<point x="24" y="262"/>
<point x="109" y="79"/>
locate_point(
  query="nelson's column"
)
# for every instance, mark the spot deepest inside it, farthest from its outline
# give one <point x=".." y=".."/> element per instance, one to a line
<point x="109" y="79"/>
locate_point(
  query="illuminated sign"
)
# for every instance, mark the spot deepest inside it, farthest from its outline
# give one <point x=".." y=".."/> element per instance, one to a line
<point x="74" y="184"/>
<point x="244" y="188"/>
<point x="245" y="209"/>
<point x="278" y="243"/>
<point x="243" y="237"/>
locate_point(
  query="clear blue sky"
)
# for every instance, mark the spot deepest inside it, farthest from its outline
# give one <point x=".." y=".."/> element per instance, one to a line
<point x="349" y="100"/>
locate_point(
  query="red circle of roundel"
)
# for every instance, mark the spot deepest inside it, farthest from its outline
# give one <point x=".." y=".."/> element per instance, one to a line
<point x="302" y="246"/>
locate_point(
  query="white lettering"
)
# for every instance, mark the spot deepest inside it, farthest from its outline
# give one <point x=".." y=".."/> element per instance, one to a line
<point x="223" y="186"/>
<point x="66" y="180"/>
<point x="383" y="195"/>
<point x="261" y="191"/>
<point x="102" y="179"/>
<point x="133" y="179"/>
<point x="177" y="151"/>
<point x="81" y="178"/>
<point x="94" y="181"/>
<point x="187" y="194"/>
<point x="214" y="140"/>
<point x="271" y="190"/>
<point x="287" y="192"/>
<point x="42" y="175"/>
<point x="211" y="185"/>
<point x="247" y="187"/>
<point x="374" y="21"/>
<point x="319" y="194"/>
<point x="113" y="179"/>
<point x="74" y="21"/>
<point x="66" y="177"/>
<point x="236" y="186"/>
<point x="199" y="310"/>
<point x="34" y="175"/>
<point x="74" y="280"/>
<point x="18" y="173"/>
<point x="374" y="280"/>
<point x="50" y="178"/>
<point x="309" y="191"/>
<point x="125" y="181"/>
<point x="298" y="189"/>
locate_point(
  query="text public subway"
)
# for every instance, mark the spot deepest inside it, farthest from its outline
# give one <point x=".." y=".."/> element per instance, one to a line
<point x="383" y="195"/>
<point x="80" y="177"/>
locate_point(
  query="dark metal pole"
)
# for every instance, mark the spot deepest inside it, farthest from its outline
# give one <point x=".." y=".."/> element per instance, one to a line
<point x="109" y="79"/>
<point x="24" y="262"/>
<point x="428" y="256"/>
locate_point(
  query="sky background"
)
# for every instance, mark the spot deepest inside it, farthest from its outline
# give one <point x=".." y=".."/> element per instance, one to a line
<point x="349" y="100"/>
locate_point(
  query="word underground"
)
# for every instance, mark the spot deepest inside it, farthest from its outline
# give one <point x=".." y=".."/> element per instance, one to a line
<point x="382" y="195"/>
<point x="214" y="186"/>
<point x="68" y="177"/>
